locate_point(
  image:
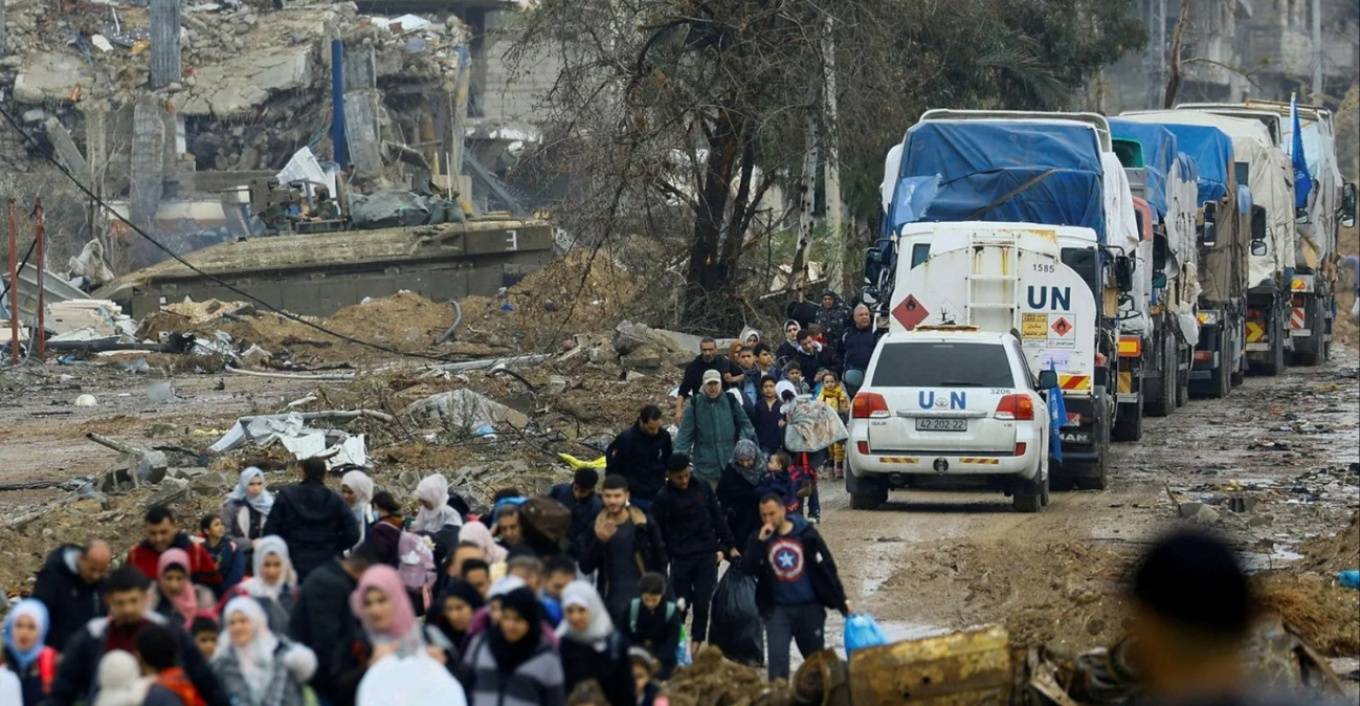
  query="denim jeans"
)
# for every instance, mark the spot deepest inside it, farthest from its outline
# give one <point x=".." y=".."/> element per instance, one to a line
<point x="804" y="623"/>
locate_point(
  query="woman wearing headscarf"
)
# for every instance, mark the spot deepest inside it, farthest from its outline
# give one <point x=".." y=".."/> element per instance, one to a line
<point x="26" y="655"/>
<point x="246" y="508"/>
<point x="436" y="519"/>
<point x="256" y="667"/>
<point x="356" y="489"/>
<point x="789" y="348"/>
<point x="511" y="664"/>
<point x="274" y="584"/>
<point x="591" y="648"/>
<point x="390" y="629"/>
<point x="478" y="533"/>
<point x="176" y="597"/>
<point x="740" y="488"/>
<point x="450" y="617"/>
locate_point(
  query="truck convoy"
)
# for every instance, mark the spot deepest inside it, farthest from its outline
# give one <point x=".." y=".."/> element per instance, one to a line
<point x="1000" y="220"/>
<point x="1134" y="261"/>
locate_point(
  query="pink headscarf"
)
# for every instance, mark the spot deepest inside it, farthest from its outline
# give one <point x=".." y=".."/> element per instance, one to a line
<point x="385" y="579"/>
<point x="186" y="603"/>
<point x="478" y="534"/>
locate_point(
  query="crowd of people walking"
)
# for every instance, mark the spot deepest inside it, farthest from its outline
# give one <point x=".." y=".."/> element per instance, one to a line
<point x="595" y="590"/>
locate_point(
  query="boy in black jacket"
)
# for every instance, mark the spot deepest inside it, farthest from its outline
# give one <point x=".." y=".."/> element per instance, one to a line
<point x="796" y="581"/>
<point x="696" y="536"/>
<point x="654" y="623"/>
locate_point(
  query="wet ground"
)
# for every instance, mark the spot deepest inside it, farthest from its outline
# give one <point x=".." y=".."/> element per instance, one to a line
<point x="1275" y="463"/>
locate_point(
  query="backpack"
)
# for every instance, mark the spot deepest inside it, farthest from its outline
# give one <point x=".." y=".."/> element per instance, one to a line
<point x="416" y="560"/>
<point x="547" y="518"/>
<point x="635" y="605"/>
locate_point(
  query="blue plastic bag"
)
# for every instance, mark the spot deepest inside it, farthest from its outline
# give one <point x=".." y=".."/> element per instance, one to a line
<point x="862" y="631"/>
<point x="1349" y="578"/>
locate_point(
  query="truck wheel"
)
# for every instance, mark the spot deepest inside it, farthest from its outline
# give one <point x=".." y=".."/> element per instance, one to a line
<point x="1275" y="364"/>
<point x="1311" y="350"/>
<point x="1182" y="382"/>
<point x="1128" y="426"/>
<point x="1028" y="496"/>
<point x="1164" y="402"/>
<point x="1092" y="476"/>
<point x="865" y="493"/>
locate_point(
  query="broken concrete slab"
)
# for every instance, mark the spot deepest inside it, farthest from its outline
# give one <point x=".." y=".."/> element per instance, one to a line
<point x="466" y="409"/>
<point x="237" y="86"/>
<point x="51" y="76"/>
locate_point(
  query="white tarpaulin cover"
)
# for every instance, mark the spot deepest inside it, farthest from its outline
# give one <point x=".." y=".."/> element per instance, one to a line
<point x="291" y="430"/>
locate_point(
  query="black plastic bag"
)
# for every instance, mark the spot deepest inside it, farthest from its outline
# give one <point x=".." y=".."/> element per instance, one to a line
<point x="735" y="625"/>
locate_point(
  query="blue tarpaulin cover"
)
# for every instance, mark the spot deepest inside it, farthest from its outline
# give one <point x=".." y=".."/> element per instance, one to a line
<point x="1212" y="152"/>
<point x="1022" y="171"/>
<point x="1159" y="153"/>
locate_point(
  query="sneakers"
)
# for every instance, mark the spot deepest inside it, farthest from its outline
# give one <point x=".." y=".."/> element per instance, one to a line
<point x="814" y="519"/>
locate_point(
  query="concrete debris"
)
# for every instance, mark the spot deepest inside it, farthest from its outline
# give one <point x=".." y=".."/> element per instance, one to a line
<point x="135" y="466"/>
<point x="171" y="489"/>
<point x="465" y="409"/>
<point x="162" y="392"/>
<point x="86" y="401"/>
<point x="292" y="432"/>
<point x="51" y="76"/>
<point x="88" y="319"/>
<point x="236" y="86"/>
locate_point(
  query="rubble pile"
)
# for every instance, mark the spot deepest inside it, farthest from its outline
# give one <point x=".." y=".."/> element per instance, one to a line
<point x="255" y="84"/>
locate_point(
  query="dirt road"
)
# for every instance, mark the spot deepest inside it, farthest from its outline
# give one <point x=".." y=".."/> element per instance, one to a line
<point x="930" y="561"/>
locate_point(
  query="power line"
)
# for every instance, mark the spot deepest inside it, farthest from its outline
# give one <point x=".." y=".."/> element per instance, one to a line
<point x="47" y="155"/>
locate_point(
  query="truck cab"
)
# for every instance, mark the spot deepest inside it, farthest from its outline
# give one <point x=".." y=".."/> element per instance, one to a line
<point x="950" y="406"/>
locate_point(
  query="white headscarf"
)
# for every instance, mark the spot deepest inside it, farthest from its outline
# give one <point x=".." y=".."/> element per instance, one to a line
<point x="434" y="490"/>
<point x="581" y="593"/>
<point x="271" y="544"/>
<point x="779" y="389"/>
<point x="257" y="656"/>
<point x="120" y="681"/>
<point x="263" y="502"/>
<point x="362" y="485"/>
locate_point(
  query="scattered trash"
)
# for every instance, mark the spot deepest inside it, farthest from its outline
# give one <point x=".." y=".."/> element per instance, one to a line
<point x="134" y="467"/>
<point x="86" y="401"/>
<point x="291" y="431"/>
<point x="1269" y="446"/>
<point x="1350" y="578"/>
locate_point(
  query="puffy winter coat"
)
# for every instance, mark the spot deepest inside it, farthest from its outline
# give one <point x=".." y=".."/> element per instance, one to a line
<point x="314" y="522"/>
<point x="709" y="431"/>
<point x="70" y="601"/>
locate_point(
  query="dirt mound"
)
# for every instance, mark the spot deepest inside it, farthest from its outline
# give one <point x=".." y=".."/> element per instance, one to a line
<point x="714" y="679"/>
<point x="1322" y="612"/>
<point x="540" y="306"/>
<point x="1339" y="552"/>
<point x="405" y="321"/>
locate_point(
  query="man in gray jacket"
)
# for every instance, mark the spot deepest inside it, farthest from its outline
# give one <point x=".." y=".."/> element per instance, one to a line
<point x="710" y="428"/>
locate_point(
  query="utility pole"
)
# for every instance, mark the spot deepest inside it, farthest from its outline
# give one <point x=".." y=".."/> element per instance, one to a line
<point x="1317" y="52"/>
<point x="835" y="220"/>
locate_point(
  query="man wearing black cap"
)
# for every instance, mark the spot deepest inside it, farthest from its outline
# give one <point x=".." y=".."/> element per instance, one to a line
<point x="1192" y="612"/>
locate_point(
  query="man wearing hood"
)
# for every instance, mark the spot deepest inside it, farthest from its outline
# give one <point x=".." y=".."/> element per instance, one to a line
<point x="796" y="581"/>
<point x="833" y="317"/>
<point x="71" y="586"/>
<point x="710" y="427"/>
<point x="696" y="536"/>
<point x="312" y="519"/>
<point x="162" y="535"/>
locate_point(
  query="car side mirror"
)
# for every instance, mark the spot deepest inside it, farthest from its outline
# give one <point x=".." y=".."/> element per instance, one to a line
<point x="1048" y="379"/>
<point x="1159" y="280"/>
<point x="1258" y="230"/>
<point x="1348" y="204"/>
<point x="874" y="255"/>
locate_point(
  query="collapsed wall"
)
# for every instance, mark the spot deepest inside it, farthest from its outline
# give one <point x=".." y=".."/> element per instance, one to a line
<point x="254" y="87"/>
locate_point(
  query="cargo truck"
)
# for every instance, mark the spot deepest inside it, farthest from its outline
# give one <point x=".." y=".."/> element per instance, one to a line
<point x="1163" y="183"/>
<point x="1223" y="243"/>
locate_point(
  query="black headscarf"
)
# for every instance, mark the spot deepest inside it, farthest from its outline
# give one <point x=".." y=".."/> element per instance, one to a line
<point x="462" y="590"/>
<point x="510" y="655"/>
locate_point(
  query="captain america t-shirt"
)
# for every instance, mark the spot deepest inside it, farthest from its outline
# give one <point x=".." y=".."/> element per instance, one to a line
<point x="792" y="586"/>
